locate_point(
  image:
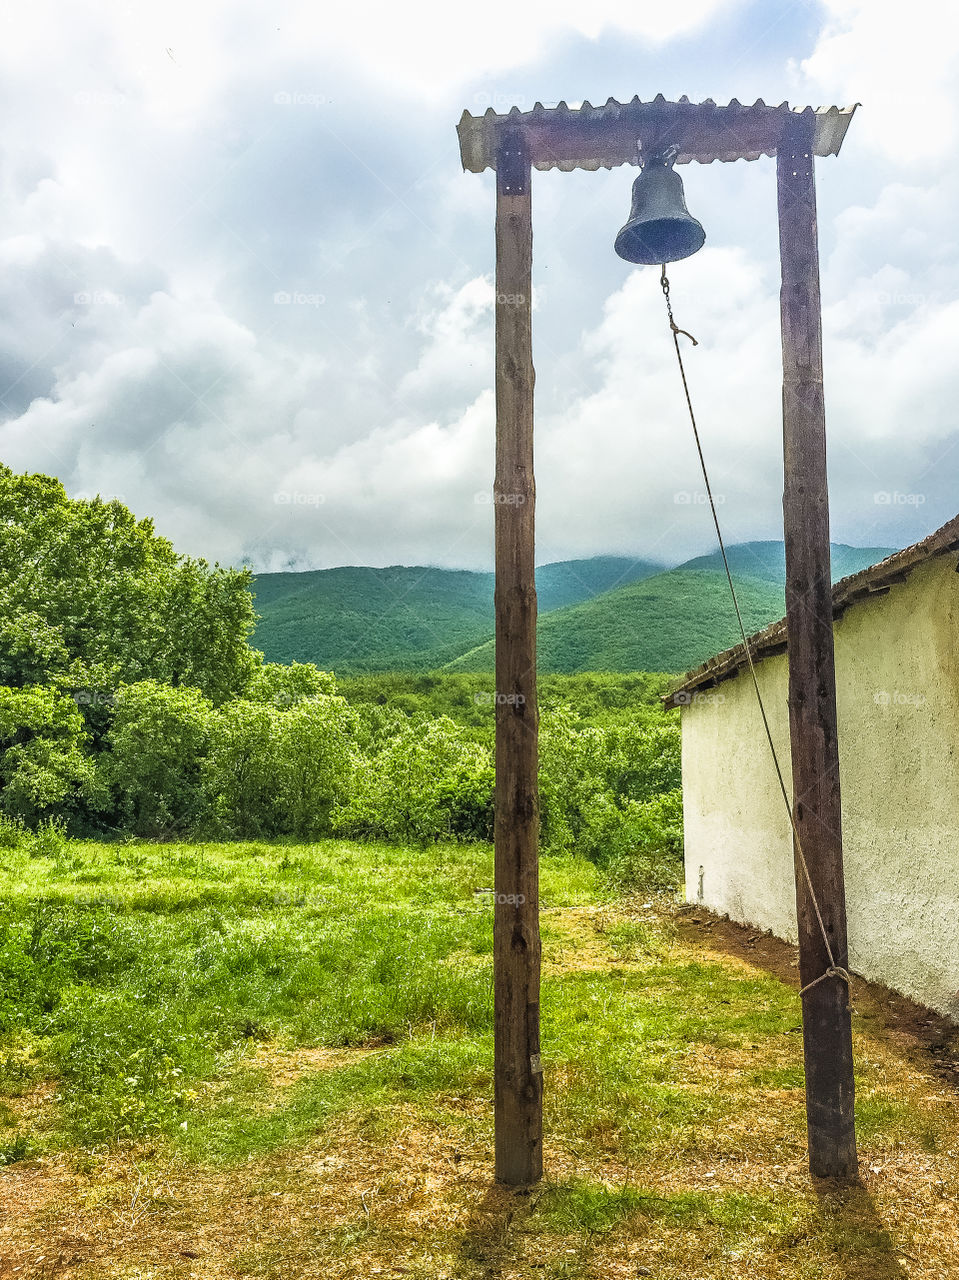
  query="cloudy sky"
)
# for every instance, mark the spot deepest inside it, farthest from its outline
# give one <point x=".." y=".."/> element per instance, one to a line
<point x="167" y="172"/>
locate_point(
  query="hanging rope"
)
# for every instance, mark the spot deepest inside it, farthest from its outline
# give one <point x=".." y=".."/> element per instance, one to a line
<point x="834" y="970"/>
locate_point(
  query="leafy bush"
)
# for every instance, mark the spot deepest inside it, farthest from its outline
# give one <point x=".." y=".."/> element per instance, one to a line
<point x="596" y="697"/>
<point x="49" y="840"/>
<point x="643" y="760"/>
<point x="283" y="686"/>
<point x="315" y="763"/>
<point x="613" y="795"/>
<point x="572" y="773"/>
<point x="240" y="771"/>
<point x="431" y="781"/>
<point x="43" y="769"/>
<point x="641" y="844"/>
<point x="273" y="772"/>
<point x="152" y="771"/>
<point x="12" y="832"/>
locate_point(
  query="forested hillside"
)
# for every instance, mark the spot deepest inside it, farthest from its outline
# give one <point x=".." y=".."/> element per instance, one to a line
<point x="768" y="560"/>
<point x="668" y="623"/>
<point x="406" y="618"/>
<point x="605" y="613"/>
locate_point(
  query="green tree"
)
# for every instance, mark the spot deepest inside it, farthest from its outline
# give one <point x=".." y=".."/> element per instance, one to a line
<point x="241" y="770"/>
<point x="572" y="773"/>
<point x="644" y="760"/>
<point x="281" y="772"/>
<point x="31" y="650"/>
<point x="430" y="781"/>
<point x="284" y="685"/>
<point x="85" y="584"/>
<point x="315" y="762"/>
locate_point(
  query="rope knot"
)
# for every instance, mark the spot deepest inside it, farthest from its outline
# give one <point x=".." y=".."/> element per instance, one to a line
<point x="676" y="329"/>
<point x="834" y="971"/>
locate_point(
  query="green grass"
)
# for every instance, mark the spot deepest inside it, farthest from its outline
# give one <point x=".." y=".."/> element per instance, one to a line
<point x="233" y="1016"/>
<point x="130" y="972"/>
<point x="580" y="1206"/>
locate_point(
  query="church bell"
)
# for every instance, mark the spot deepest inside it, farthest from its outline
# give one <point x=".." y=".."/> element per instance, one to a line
<point x="660" y="227"/>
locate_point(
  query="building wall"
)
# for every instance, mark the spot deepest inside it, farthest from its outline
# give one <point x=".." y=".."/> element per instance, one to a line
<point x="897" y="667"/>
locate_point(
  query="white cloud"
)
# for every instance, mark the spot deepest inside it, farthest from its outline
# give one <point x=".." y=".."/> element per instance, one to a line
<point x="618" y="469"/>
<point x="429" y="47"/>
<point x="175" y="59"/>
<point x="458" y="355"/>
<point x="148" y="167"/>
<point x="193" y="418"/>
<point x="900" y="63"/>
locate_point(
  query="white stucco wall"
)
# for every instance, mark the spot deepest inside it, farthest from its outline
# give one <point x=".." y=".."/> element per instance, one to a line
<point x="897" y="668"/>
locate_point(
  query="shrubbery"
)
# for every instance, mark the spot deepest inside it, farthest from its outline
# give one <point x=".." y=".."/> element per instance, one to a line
<point x="293" y="758"/>
<point x="43" y="768"/>
<point x="131" y="703"/>
<point x="428" y="781"/>
<point x="151" y="772"/>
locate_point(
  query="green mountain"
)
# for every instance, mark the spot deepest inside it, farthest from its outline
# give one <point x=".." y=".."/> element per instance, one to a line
<point x="356" y="619"/>
<point x="570" y="581"/>
<point x="608" y="613"/>
<point x="406" y="619"/>
<point x="768" y="560"/>
<point x="670" y="622"/>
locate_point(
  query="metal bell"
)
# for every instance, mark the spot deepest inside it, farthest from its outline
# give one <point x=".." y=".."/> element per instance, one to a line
<point x="660" y="227"/>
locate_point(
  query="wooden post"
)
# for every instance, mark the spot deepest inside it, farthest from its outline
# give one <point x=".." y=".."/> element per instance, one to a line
<point x="516" y="943"/>
<point x="827" y="1030"/>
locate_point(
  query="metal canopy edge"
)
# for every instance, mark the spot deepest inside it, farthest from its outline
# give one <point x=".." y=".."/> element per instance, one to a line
<point x="604" y="137"/>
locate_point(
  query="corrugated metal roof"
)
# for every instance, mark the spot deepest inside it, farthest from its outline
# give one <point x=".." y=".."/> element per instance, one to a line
<point x="588" y="137"/>
<point x="876" y="580"/>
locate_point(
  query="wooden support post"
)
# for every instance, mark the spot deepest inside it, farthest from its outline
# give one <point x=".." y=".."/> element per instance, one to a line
<point x="827" y="1031"/>
<point x="516" y="942"/>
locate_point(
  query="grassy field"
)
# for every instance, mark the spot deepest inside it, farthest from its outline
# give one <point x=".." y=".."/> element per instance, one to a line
<point x="275" y="1061"/>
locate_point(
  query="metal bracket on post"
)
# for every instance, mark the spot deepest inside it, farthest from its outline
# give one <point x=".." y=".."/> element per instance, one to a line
<point x="512" y="165"/>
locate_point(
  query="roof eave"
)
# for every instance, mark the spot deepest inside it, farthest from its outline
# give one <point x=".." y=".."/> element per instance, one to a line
<point x="876" y="580"/>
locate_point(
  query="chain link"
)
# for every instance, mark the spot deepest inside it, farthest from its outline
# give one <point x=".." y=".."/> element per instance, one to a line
<point x="664" y="285"/>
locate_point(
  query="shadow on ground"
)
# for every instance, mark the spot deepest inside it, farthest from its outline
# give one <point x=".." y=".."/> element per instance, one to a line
<point x="487" y="1244"/>
<point x="844" y="1231"/>
<point x="851" y="1224"/>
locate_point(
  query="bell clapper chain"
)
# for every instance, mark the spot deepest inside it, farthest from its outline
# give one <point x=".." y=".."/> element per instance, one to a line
<point x="664" y="285"/>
